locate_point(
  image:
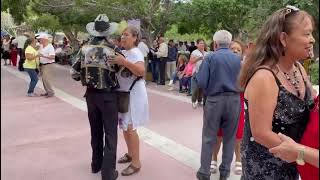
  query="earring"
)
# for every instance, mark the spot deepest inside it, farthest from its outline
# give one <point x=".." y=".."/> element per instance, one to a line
<point x="283" y="52"/>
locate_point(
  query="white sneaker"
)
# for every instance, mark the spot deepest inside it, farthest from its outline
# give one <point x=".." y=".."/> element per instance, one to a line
<point x="194" y="105"/>
<point x="170" y="83"/>
<point x="171" y="88"/>
<point x="32" y="95"/>
<point x="238" y="168"/>
<point x="213" y="167"/>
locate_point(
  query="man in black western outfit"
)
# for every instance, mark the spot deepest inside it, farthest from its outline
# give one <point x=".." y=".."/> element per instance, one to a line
<point x="94" y="72"/>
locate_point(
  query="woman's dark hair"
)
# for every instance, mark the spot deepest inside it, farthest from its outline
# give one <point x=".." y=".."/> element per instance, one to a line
<point x="268" y="47"/>
<point x="240" y="44"/>
<point x="199" y="40"/>
<point x="183" y="57"/>
<point x="28" y="42"/>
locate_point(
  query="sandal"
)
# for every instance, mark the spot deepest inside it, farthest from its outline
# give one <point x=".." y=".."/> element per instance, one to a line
<point x="213" y="167"/>
<point x="238" y="168"/>
<point x="130" y="170"/>
<point x="125" y="159"/>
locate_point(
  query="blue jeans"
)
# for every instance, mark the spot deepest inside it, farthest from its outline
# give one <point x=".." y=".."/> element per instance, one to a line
<point x="155" y="70"/>
<point x="186" y="82"/>
<point x="174" y="77"/>
<point x="33" y="79"/>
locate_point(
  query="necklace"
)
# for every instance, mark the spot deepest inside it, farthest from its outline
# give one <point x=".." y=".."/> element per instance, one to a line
<point x="294" y="82"/>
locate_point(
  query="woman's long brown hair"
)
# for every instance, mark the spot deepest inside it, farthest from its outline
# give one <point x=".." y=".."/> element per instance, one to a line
<point x="268" y="47"/>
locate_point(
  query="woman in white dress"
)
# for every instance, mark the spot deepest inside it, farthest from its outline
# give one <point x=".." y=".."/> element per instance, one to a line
<point x="138" y="113"/>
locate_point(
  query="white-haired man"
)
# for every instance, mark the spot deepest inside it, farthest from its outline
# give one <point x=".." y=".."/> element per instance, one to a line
<point x="47" y="58"/>
<point x="217" y="76"/>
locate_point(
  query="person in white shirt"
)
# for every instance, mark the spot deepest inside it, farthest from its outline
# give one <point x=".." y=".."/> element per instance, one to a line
<point x="47" y="57"/>
<point x="138" y="111"/>
<point x="145" y="50"/>
<point x="196" y="58"/>
<point x="21" y="41"/>
<point x="6" y="49"/>
<point x="163" y="55"/>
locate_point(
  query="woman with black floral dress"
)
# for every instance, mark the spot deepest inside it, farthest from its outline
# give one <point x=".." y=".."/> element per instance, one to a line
<point x="277" y="93"/>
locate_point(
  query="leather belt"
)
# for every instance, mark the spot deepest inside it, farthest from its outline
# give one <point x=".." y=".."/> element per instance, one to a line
<point x="45" y="64"/>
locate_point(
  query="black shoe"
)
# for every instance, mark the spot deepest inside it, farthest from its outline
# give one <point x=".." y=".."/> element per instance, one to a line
<point x="115" y="175"/>
<point x="223" y="178"/>
<point x="95" y="170"/>
<point x="96" y="167"/>
<point x="201" y="176"/>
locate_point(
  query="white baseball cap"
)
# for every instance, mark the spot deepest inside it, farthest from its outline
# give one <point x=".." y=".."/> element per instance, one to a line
<point x="43" y="36"/>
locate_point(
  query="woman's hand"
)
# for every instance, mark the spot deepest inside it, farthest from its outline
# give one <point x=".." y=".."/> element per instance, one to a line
<point x="118" y="59"/>
<point x="287" y="150"/>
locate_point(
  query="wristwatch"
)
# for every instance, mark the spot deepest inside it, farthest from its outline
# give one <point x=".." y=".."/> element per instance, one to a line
<point x="300" y="159"/>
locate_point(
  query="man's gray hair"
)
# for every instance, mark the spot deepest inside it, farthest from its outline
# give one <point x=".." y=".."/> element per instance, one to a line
<point x="223" y="38"/>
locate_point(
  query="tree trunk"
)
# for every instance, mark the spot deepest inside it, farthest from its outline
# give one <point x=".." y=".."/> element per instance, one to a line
<point x="72" y="37"/>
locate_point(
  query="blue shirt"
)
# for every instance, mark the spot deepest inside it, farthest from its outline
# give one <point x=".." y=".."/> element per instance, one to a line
<point x="172" y="54"/>
<point x="219" y="72"/>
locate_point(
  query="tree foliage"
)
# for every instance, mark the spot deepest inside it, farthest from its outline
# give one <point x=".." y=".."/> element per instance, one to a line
<point x="17" y="9"/>
<point x="243" y="18"/>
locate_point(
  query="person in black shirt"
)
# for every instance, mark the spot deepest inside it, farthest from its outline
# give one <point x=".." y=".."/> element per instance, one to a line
<point x="192" y="47"/>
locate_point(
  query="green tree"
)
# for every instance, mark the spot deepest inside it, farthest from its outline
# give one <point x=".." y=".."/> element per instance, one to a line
<point x="17" y="8"/>
<point x="243" y="18"/>
<point x="155" y="15"/>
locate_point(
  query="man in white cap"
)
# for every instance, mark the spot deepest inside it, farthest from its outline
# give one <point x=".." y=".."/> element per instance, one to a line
<point x="47" y="55"/>
<point x="217" y="76"/>
<point x="100" y="79"/>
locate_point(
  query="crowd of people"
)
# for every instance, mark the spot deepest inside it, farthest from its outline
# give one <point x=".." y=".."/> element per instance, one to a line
<point x="257" y="100"/>
<point x="35" y="56"/>
<point x="172" y="62"/>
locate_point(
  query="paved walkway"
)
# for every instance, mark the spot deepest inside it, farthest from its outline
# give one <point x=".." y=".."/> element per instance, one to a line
<point x="49" y="139"/>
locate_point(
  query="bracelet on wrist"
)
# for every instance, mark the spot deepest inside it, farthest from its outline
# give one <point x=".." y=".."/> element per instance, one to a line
<point x="300" y="158"/>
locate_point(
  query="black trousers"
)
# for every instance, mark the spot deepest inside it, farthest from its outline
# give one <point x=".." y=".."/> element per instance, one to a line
<point x="103" y="118"/>
<point x="22" y="59"/>
<point x="162" y="70"/>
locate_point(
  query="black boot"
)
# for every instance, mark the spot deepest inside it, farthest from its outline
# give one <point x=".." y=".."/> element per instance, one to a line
<point x="201" y="176"/>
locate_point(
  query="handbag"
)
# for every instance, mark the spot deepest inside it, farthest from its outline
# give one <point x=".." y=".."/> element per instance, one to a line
<point x="123" y="98"/>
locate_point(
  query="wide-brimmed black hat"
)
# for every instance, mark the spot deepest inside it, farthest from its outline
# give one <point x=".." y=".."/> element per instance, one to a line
<point x="101" y="26"/>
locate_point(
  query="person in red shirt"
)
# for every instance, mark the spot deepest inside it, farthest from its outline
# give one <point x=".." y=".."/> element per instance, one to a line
<point x="13" y="54"/>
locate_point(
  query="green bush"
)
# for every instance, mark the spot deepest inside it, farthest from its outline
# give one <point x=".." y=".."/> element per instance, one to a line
<point x="314" y="72"/>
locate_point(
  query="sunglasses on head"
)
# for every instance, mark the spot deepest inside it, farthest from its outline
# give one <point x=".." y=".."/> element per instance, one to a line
<point x="289" y="9"/>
